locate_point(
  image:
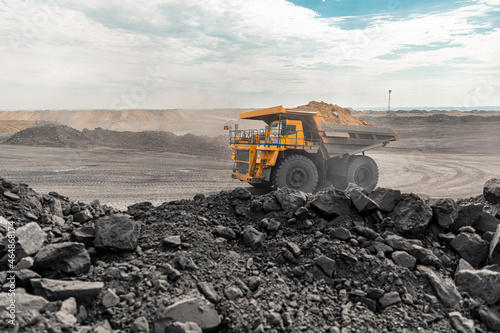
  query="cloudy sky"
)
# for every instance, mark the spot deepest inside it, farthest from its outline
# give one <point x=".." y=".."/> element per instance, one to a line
<point x="68" y="54"/>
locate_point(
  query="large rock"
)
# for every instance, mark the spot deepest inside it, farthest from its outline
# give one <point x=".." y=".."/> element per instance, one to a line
<point x="24" y="302"/>
<point x="471" y="248"/>
<point x="140" y="325"/>
<point x="445" y="212"/>
<point x="241" y="193"/>
<point x="494" y="250"/>
<point x="117" y="232"/>
<point x="425" y="256"/>
<point x="397" y="242"/>
<point x="463" y="265"/>
<point x="197" y="310"/>
<point x="366" y="232"/>
<point x="444" y="287"/>
<point x="482" y="283"/>
<point x="290" y="200"/>
<point x="341" y="233"/>
<point x="461" y="324"/>
<point x="30" y="239"/>
<point x="110" y="299"/>
<point x="253" y="238"/>
<point x="24" y="276"/>
<point x="85" y="235"/>
<point x="224" y="232"/>
<point x="54" y="290"/>
<point x="70" y="258"/>
<point x="386" y="198"/>
<point x="495" y="210"/>
<point x="82" y="216"/>
<point x="187" y="327"/>
<point x="485" y="222"/>
<point x="326" y="264"/>
<point x="55" y="207"/>
<point x="390" y="299"/>
<point x="332" y="204"/>
<point x="466" y="216"/>
<point x="233" y="292"/>
<point x="491" y="190"/>
<point x="490" y="318"/>
<point x="11" y="196"/>
<point x="363" y="203"/>
<point x="412" y="215"/>
<point x="404" y="259"/>
<point x="208" y="290"/>
<point x="271" y="205"/>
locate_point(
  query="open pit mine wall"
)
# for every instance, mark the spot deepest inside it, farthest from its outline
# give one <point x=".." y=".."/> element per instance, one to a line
<point x="236" y="262"/>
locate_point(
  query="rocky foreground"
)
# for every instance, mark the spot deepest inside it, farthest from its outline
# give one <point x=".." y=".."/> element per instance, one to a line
<point x="233" y="262"/>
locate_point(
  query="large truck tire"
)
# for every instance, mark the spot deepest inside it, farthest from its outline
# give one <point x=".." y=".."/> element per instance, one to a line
<point x="363" y="171"/>
<point x="297" y="172"/>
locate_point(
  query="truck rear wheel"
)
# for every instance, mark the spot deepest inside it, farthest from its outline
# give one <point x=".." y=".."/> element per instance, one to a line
<point x="296" y="172"/>
<point x="363" y="171"/>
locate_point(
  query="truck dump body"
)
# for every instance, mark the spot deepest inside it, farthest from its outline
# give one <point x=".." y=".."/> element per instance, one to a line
<point x="334" y="139"/>
<point x="339" y="139"/>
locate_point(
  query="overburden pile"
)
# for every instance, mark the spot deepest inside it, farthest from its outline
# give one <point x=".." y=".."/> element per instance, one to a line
<point x="54" y="135"/>
<point x="394" y="119"/>
<point x="333" y="113"/>
<point x="235" y="262"/>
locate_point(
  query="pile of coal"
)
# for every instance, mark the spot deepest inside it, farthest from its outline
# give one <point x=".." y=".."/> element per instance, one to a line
<point x="285" y="261"/>
<point x="55" y="135"/>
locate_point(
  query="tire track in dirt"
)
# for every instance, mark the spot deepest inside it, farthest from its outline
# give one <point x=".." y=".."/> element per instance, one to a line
<point x="437" y="175"/>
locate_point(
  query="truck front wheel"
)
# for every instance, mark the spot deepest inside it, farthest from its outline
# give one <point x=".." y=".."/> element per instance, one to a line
<point x="363" y="171"/>
<point x="296" y="172"/>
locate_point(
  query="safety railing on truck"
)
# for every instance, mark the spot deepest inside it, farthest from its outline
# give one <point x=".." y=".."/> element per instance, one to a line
<point x="293" y="139"/>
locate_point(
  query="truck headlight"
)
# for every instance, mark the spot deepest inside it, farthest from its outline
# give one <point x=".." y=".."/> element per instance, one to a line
<point x="258" y="154"/>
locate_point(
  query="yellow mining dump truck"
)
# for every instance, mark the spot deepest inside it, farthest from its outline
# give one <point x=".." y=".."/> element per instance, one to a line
<point x="299" y="150"/>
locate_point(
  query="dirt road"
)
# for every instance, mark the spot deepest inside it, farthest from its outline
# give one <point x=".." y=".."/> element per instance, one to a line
<point x="115" y="177"/>
<point x="437" y="160"/>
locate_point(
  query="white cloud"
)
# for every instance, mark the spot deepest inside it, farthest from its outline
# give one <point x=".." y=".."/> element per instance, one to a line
<point x="233" y="52"/>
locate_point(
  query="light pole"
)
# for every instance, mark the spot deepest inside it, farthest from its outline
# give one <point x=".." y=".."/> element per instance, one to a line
<point x="389" y="107"/>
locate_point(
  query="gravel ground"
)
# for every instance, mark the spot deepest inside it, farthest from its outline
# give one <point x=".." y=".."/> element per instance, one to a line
<point x="440" y="159"/>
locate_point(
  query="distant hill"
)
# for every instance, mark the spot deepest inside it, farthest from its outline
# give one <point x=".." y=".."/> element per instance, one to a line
<point x="11" y="126"/>
<point x="112" y="119"/>
<point x="199" y="122"/>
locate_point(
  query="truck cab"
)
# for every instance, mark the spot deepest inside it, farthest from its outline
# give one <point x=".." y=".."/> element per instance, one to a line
<point x="286" y="133"/>
<point x="290" y="134"/>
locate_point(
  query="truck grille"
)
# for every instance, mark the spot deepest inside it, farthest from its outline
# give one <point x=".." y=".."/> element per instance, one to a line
<point x="242" y="155"/>
<point x="242" y="167"/>
<point x="242" y="160"/>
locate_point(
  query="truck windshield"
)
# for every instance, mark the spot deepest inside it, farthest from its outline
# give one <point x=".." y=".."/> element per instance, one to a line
<point x="275" y="129"/>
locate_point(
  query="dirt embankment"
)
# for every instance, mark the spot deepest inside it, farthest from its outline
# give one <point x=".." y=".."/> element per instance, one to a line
<point x="64" y="136"/>
<point x="112" y="119"/>
<point x="437" y="119"/>
<point x="333" y="113"/>
<point x="12" y="126"/>
<point x="237" y="262"/>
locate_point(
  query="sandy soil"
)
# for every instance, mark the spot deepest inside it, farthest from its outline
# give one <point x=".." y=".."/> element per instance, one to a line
<point x="440" y="160"/>
<point x="116" y="177"/>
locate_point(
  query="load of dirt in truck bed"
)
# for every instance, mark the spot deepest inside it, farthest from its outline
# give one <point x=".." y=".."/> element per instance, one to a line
<point x="236" y="262"/>
<point x="333" y="113"/>
<point x="54" y="135"/>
